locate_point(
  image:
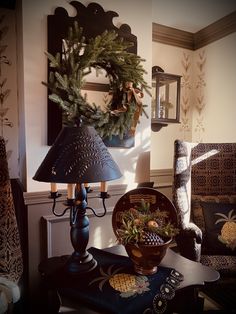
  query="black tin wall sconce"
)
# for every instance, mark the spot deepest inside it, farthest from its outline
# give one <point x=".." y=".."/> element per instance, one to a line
<point x="165" y="98"/>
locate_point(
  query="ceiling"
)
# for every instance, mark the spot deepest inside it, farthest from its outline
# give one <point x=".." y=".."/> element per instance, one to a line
<point x="190" y="15"/>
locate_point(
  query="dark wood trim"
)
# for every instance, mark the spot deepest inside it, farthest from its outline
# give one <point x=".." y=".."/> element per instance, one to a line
<point x="42" y="197"/>
<point x="99" y="87"/>
<point x="193" y="41"/>
<point x="172" y="36"/>
<point x="215" y="31"/>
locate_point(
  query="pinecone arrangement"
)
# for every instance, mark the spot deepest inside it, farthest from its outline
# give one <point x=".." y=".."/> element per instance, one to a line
<point x="151" y="238"/>
<point x="140" y="225"/>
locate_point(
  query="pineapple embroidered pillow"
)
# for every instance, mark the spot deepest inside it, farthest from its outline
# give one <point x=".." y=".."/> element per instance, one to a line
<point x="220" y="223"/>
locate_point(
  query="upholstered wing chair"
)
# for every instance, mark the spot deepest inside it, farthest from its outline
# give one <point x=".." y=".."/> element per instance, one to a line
<point x="204" y="193"/>
<point x="11" y="262"/>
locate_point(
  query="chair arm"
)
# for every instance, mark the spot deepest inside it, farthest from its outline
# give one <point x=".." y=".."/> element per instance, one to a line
<point x="192" y="231"/>
<point x="189" y="242"/>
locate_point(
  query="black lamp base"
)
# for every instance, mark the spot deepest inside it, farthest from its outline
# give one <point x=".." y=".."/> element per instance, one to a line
<point x="79" y="264"/>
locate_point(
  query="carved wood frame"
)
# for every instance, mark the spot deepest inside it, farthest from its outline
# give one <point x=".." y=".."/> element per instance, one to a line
<point x="94" y="20"/>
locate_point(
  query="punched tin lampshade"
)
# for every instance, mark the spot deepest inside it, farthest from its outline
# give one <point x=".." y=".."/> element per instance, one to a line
<point x="78" y="155"/>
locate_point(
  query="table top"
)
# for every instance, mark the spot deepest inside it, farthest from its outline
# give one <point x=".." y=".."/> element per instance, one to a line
<point x="88" y="289"/>
<point x="195" y="274"/>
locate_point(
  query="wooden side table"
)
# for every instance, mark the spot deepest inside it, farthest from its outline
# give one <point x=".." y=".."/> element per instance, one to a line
<point x="56" y="282"/>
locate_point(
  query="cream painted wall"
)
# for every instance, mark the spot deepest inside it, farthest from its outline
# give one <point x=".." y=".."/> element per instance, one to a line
<point x="172" y="60"/>
<point x="9" y="123"/>
<point x="211" y="93"/>
<point x="218" y="116"/>
<point x="35" y="71"/>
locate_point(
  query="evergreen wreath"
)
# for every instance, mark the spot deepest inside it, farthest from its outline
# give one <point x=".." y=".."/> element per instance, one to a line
<point x="123" y="70"/>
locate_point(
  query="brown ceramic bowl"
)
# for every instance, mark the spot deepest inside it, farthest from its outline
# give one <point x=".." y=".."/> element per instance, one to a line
<point x="146" y="258"/>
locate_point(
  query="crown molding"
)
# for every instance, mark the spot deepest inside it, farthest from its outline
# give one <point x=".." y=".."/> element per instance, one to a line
<point x="215" y="31"/>
<point x="193" y="41"/>
<point x="172" y="36"/>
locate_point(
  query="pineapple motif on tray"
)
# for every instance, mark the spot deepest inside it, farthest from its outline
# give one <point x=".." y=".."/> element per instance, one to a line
<point x="126" y="284"/>
<point x="228" y="231"/>
<point x="130" y="285"/>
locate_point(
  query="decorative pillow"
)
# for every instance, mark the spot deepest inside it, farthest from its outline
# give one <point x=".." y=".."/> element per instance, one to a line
<point x="196" y="208"/>
<point x="220" y="227"/>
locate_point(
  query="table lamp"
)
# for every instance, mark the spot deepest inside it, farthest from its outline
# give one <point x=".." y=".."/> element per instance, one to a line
<point x="78" y="157"/>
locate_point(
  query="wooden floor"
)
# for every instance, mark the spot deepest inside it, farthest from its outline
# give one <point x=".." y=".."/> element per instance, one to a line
<point x="209" y="305"/>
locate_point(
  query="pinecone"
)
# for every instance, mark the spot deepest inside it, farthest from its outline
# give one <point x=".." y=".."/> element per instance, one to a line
<point x="151" y="238"/>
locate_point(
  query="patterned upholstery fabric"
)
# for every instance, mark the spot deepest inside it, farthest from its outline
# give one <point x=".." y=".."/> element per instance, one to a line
<point x="202" y="172"/>
<point x="11" y="265"/>
<point x="224" y="264"/>
<point x="190" y="237"/>
<point x="213" y="169"/>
